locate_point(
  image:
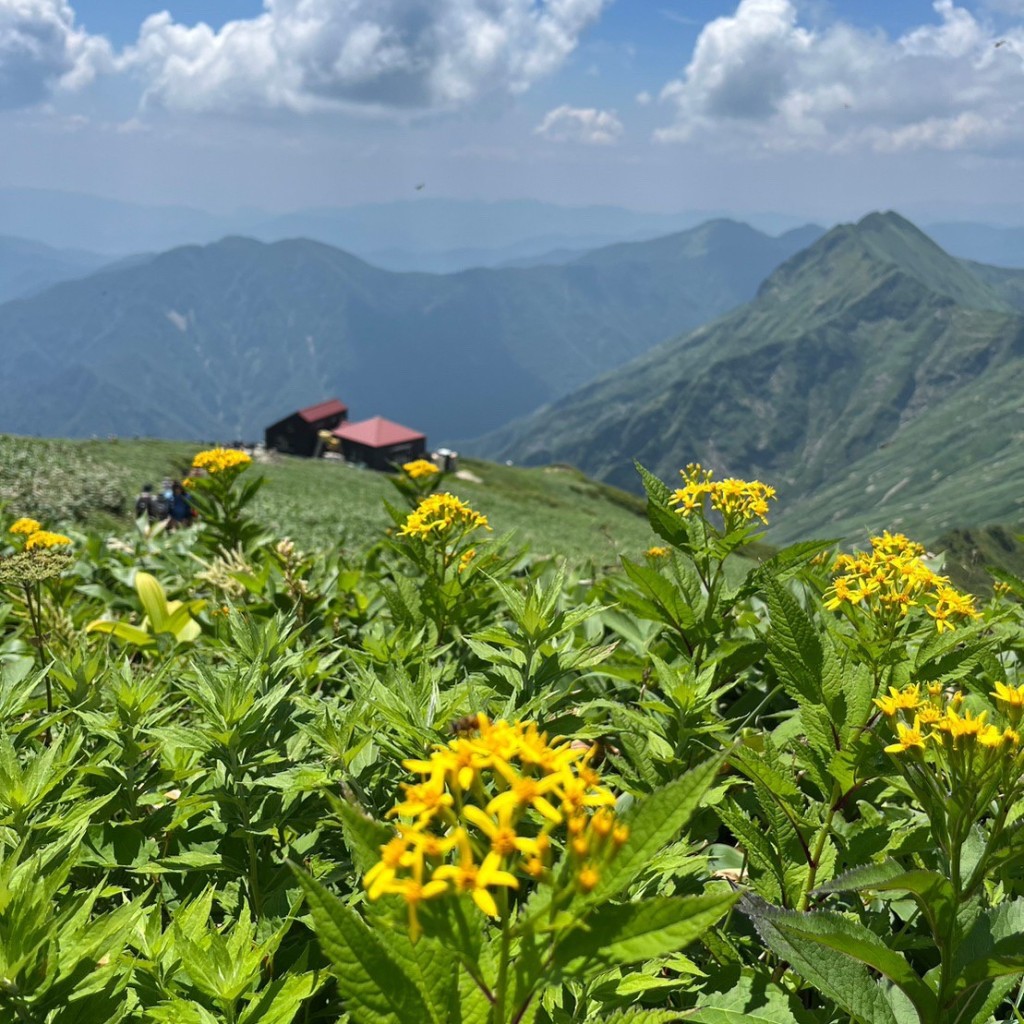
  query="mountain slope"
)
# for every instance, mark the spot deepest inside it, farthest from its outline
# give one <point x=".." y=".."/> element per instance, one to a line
<point x="27" y="267"/>
<point x="875" y="380"/>
<point x="218" y="341"/>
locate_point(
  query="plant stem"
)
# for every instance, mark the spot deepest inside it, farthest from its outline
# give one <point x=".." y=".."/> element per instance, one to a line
<point x="37" y="628"/>
<point x="819" y="847"/>
<point x="500" y="993"/>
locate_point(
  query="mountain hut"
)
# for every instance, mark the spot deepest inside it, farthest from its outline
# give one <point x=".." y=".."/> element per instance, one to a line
<point x="297" y="434"/>
<point x="379" y="443"/>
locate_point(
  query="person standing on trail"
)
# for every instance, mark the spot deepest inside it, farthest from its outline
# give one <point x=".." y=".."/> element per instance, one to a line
<point x="149" y="504"/>
<point x="179" y="508"/>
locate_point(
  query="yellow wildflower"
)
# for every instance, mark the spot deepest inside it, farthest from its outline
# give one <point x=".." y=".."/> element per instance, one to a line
<point x="469" y="877"/>
<point x="46" y="539"/>
<point x="656" y="552"/>
<point x="393" y="855"/>
<point x="422" y="801"/>
<point x="221" y="460"/>
<point x="439" y="513"/>
<point x="1011" y="696"/>
<point x="957" y="727"/>
<point x="907" y="699"/>
<point x="467" y="556"/>
<point x="25" y="525"/>
<point x="893" y="578"/>
<point x="738" y="501"/>
<point x="419" y="468"/>
<point x="492" y="794"/>
<point x="526" y="791"/>
<point x="909" y="738"/>
<point x="588" y="878"/>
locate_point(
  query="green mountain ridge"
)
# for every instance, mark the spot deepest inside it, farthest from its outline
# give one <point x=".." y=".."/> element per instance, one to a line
<point x="218" y="341"/>
<point x="874" y="380"/>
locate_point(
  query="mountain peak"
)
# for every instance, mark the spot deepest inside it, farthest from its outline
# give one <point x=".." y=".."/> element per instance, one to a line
<point x="872" y="249"/>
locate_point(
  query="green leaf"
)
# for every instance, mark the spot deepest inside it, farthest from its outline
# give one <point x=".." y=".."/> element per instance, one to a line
<point x="672" y="609"/>
<point x="374" y="984"/>
<point x="833" y="952"/>
<point x="933" y="892"/>
<point x="666" y="523"/>
<point x="363" y="836"/>
<point x="993" y="947"/>
<point x="641" y="1017"/>
<point x="625" y="933"/>
<point x="280" y="1000"/>
<point x="740" y="996"/>
<point x="154" y="600"/>
<point x="656" y="822"/>
<point x="123" y="631"/>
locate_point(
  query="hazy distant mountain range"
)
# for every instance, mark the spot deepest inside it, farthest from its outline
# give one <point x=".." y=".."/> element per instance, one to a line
<point x="421" y="233"/>
<point x="217" y="341"/>
<point x="27" y="267"/>
<point x="875" y="380"/>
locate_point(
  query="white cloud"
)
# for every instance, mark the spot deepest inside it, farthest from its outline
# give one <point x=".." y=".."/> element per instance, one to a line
<point x="759" y="79"/>
<point x="307" y="55"/>
<point x="643" y="99"/>
<point x="587" y="125"/>
<point x="42" y="51"/>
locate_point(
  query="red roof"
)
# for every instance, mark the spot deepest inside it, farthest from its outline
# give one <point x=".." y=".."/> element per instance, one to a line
<point x="332" y="407"/>
<point x="377" y="432"/>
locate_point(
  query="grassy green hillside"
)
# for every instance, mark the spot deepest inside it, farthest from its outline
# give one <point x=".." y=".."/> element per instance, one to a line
<point x="218" y="341"/>
<point x="555" y="510"/>
<point x="875" y="381"/>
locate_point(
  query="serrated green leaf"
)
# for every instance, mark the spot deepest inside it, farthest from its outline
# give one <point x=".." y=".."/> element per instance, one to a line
<point x="823" y="942"/>
<point x="626" y="933"/>
<point x="933" y="892"/>
<point x="657" y="820"/>
<point x="741" y="996"/>
<point x="374" y="984"/>
<point x="281" y="999"/>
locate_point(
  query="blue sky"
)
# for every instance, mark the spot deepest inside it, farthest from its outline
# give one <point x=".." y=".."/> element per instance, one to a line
<point x="818" y="108"/>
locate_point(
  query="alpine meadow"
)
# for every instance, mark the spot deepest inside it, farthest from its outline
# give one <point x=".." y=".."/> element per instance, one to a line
<point x="511" y="512"/>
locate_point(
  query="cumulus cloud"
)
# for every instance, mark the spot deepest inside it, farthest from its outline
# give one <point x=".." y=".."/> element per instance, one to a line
<point x="43" y="51"/>
<point x="308" y="55"/>
<point x="758" y="78"/>
<point x="575" y="124"/>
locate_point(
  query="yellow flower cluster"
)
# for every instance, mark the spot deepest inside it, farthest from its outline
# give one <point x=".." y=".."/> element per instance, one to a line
<point x="221" y="460"/>
<point x="419" y="468"/>
<point x="894" y="577"/>
<point x="46" y="539"/>
<point x="934" y="719"/>
<point x="656" y="552"/>
<point x="483" y="815"/>
<point x="35" y="536"/>
<point x="467" y="557"/>
<point x="738" y="501"/>
<point x="440" y="513"/>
